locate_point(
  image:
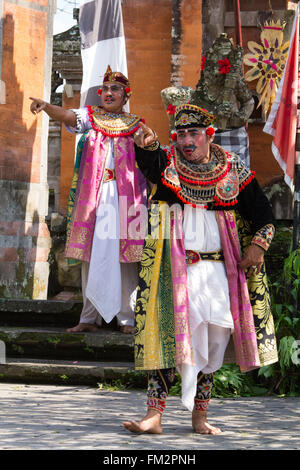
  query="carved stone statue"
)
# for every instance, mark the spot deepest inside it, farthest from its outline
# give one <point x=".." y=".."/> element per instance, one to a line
<point x="222" y="89"/>
<point x="175" y="96"/>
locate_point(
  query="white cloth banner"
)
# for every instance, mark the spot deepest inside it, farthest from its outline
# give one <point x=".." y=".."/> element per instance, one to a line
<point x="102" y="44"/>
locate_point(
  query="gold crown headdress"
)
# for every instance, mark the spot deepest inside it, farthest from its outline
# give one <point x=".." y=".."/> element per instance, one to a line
<point x="189" y="115"/>
<point x="111" y="76"/>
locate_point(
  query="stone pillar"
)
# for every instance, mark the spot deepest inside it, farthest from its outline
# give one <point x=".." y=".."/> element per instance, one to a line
<point x="186" y="42"/>
<point x="54" y="165"/>
<point x="68" y="148"/>
<point x="24" y="237"/>
<point x="213" y="21"/>
<point x="2" y="83"/>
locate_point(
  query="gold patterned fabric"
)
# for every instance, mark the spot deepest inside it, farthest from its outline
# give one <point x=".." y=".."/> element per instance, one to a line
<point x="155" y="331"/>
<point x="72" y="193"/>
<point x="264" y="236"/>
<point x="260" y="301"/>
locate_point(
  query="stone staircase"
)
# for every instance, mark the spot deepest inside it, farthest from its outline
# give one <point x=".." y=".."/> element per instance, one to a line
<point x="38" y="349"/>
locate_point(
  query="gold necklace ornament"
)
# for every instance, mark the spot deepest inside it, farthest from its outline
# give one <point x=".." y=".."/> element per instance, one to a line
<point x="216" y="183"/>
<point x="113" y="124"/>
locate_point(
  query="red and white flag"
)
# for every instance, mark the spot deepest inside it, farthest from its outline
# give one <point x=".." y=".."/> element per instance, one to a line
<point x="282" y="121"/>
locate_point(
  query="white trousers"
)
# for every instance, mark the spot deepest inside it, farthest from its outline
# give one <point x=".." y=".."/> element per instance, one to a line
<point x="209" y="344"/>
<point x="210" y="317"/>
<point x="129" y="274"/>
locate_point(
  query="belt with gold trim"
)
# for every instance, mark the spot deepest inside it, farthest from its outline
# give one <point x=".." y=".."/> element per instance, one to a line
<point x="109" y="175"/>
<point x="193" y="257"/>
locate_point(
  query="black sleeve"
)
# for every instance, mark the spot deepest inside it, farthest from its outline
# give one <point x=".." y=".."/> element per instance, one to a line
<point x="254" y="206"/>
<point x="151" y="163"/>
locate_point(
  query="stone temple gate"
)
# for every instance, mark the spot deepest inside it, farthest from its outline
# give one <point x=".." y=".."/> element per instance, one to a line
<point x="37" y="156"/>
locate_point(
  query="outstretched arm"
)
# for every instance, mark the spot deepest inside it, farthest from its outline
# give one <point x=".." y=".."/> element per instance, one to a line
<point x="55" y="112"/>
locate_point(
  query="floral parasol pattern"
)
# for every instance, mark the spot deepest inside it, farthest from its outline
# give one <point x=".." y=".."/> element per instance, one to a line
<point x="267" y="61"/>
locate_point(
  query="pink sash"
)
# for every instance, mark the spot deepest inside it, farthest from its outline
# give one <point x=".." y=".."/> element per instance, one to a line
<point x="131" y="188"/>
<point x="132" y="200"/>
<point x="244" y="335"/>
<point x="244" y="330"/>
<point x="184" y="349"/>
<point x="82" y="223"/>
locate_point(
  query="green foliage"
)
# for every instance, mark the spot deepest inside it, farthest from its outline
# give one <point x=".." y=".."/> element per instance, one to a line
<point x="284" y="377"/>
<point x="130" y="380"/>
<point x="115" y="385"/>
<point x="285" y="352"/>
<point x="64" y="377"/>
<point x="229" y="382"/>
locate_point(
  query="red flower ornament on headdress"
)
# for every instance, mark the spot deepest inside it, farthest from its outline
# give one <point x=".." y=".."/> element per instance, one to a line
<point x="210" y="131"/>
<point x="225" y="66"/>
<point x="171" y="109"/>
<point x="174" y="136"/>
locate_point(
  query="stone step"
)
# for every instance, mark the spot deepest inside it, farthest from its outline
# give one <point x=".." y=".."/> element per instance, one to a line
<point x="33" y="371"/>
<point x="14" y="312"/>
<point x="50" y="342"/>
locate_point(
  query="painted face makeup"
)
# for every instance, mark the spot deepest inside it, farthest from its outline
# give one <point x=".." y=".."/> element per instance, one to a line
<point x="113" y="97"/>
<point x="189" y="148"/>
<point x="193" y="144"/>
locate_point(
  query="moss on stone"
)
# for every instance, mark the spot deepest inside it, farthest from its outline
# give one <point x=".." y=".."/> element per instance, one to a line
<point x="24" y="279"/>
<point x="2" y="291"/>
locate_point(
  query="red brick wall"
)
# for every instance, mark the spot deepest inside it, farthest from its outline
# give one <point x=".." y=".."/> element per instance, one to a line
<point x="23" y="56"/>
<point x="25" y="67"/>
<point x="147" y="25"/>
<point x="262" y="158"/>
<point x="148" y="34"/>
<point x="191" y="47"/>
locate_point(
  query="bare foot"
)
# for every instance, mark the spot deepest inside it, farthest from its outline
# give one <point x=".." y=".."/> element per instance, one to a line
<point x="151" y="423"/>
<point x="127" y="329"/>
<point x="200" y="424"/>
<point x="91" y="327"/>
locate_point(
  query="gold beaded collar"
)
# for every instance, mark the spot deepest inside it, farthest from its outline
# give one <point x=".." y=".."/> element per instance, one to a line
<point x="113" y="124"/>
<point x="217" y="183"/>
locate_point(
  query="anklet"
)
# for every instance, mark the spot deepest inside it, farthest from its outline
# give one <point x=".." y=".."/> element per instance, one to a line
<point x="156" y="404"/>
<point x="200" y="405"/>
